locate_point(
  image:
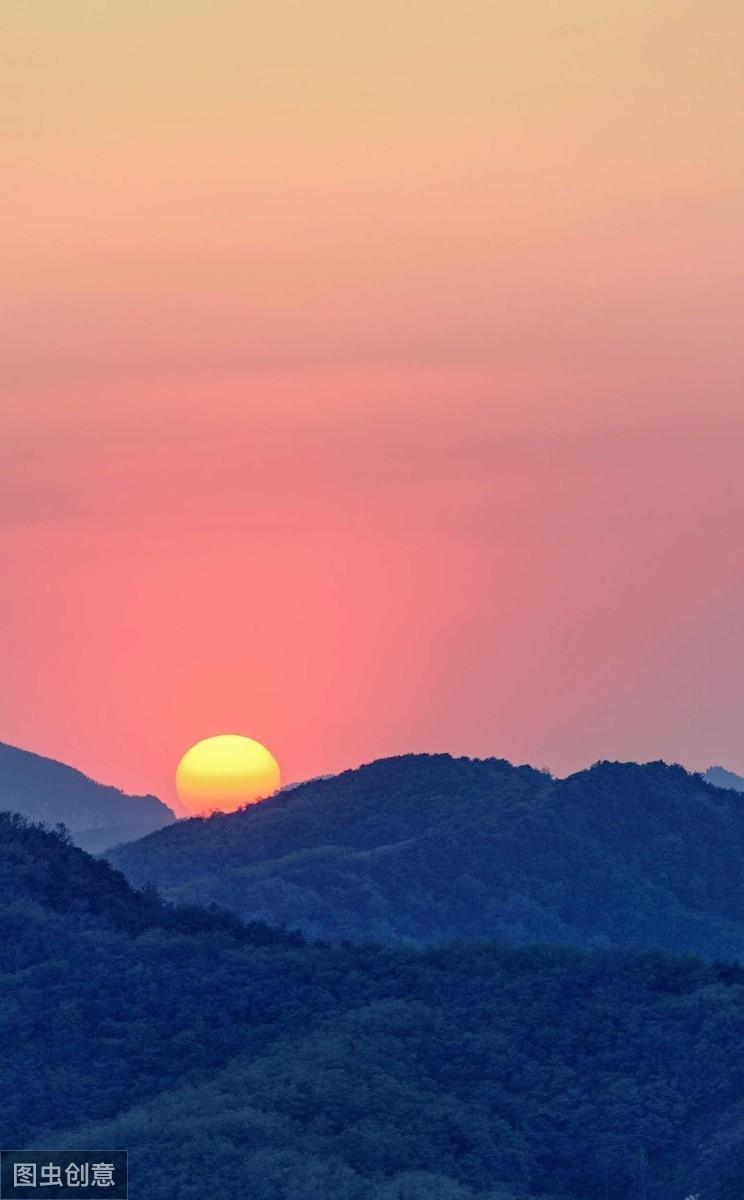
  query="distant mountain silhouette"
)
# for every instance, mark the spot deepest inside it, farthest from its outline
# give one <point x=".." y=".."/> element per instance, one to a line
<point x="95" y="815"/>
<point x="722" y="778"/>
<point x="422" y="848"/>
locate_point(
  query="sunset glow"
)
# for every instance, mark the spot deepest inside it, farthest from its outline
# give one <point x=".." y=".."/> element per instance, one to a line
<point x="372" y="377"/>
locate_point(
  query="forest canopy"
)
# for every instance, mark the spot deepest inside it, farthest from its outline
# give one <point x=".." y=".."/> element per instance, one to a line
<point x="269" y="1067"/>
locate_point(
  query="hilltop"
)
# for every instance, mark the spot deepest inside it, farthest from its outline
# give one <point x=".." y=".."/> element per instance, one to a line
<point x="421" y="848"/>
<point x="722" y="778"/>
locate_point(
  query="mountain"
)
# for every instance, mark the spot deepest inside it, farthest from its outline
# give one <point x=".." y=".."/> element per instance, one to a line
<point x="722" y="778"/>
<point x="421" y="848"/>
<point x="96" y="816"/>
<point x="236" y="1060"/>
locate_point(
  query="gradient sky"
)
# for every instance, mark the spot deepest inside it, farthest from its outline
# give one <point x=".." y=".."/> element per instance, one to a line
<point x="372" y="380"/>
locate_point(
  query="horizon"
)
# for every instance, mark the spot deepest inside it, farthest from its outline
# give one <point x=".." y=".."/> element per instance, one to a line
<point x="181" y="813"/>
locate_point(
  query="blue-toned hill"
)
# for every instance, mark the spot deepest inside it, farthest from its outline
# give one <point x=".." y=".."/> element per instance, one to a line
<point x="96" y="816"/>
<point x="236" y="1061"/>
<point x="421" y="848"/>
<point x="722" y="778"/>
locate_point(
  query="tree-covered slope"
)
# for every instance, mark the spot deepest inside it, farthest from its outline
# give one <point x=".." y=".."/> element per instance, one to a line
<point x="95" y="815"/>
<point x="424" y="847"/>
<point x="43" y="868"/>
<point x="246" y="1063"/>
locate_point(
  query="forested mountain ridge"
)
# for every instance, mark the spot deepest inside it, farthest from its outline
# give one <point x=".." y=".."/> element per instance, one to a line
<point x="426" y="847"/>
<point x="262" y="1067"/>
<point x="95" y="815"/>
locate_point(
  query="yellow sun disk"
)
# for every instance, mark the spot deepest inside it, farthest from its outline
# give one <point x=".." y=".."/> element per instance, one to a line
<point x="225" y="772"/>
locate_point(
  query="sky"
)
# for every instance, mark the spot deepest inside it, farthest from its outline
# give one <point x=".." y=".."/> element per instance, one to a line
<point x="372" y="381"/>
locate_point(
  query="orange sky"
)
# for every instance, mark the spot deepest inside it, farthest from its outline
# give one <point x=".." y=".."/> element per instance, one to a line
<point x="371" y="380"/>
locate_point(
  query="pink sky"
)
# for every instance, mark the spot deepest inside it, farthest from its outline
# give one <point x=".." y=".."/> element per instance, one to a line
<point x="372" y="382"/>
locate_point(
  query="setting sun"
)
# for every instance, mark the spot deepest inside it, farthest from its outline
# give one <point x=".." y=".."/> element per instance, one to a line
<point x="220" y="774"/>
